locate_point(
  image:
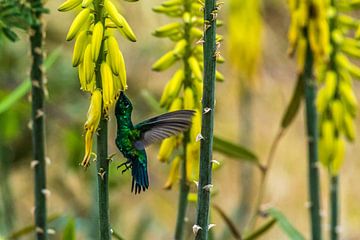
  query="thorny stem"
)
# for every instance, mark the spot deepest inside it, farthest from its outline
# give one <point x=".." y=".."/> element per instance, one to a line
<point x="207" y="125"/>
<point x="312" y="136"/>
<point x="102" y="162"/>
<point x="184" y="185"/>
<point x="38" y="121"/>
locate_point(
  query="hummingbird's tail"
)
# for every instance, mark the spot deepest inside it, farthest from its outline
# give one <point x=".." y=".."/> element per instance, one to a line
<point x="140" y="179"/>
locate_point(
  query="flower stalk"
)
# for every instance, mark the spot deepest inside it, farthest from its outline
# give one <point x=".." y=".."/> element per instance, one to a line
<point x="207" y="127"/>
<point x="38" y="120"/>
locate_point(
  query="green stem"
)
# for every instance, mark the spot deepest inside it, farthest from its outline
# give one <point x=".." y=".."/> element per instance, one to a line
<point x="184" y="186"/>
<point x="183" y="199"/>
<point x="207" y="127"/>
<point x="334" y="204"/>
<point x="103" y="180"/>
<point x="102" y="162"/>
<point x="312" y="137"/>
<point x="38" y="121"/>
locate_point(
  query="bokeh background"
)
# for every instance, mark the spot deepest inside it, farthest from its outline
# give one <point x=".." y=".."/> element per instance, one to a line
<point x="152" y="215"/>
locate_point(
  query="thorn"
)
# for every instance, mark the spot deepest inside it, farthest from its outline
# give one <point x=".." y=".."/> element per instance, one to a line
<point x="186" y="219"/>
<point x="339" y="229"/>
<point x="211" y="225"/>
<point x="30" y="125"/>
<point x="34" y="163"/>
<point x="111" y="231"/>
<point x="101" y="173"/>
<point x="46" y="192"/>
<point x="199" y="137"/>
<point x="37" y="50"/>
<point x="322" y="213"/>
<point x="36" y="83"/>
<point x="215" y="161"/>
<point x="206" y="110"/>
<point x="196" y="228"/>
<point x="95" y="156"/>
<point x="109" y="158"/>
<point x="51" y="231"/>
<point x="39" y="113"/>
<point x="32" y="211"/>
<point x="196" y="183"/>
<point x="39" y="230"/>
<point x="200" y="41"/>
<point x="208" y="187"/>
<point x="48" y="160"/>
<point x="308" y="204"/>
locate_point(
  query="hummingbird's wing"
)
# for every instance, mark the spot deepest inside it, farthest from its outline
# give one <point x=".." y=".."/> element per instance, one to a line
<point x="163" y="126"/>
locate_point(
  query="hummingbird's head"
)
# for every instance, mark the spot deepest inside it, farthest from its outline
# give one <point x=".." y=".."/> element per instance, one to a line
<point x="123" y="105"/>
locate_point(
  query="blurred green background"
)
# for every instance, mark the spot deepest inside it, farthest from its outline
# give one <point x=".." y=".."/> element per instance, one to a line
<point x="152" y="215"/>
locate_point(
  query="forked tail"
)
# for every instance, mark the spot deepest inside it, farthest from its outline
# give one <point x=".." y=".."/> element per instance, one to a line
<point x="140" y="179"/>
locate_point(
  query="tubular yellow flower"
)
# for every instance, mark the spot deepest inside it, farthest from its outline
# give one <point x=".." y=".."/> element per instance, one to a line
<point x="108" y="86"/>
<point x="96" y="40"/>
<point x="166" y="61"/>
<point x="113" y="54"/>
<point x="166" y="149"/>
<point x="69" y="5"/>
<point x="189" y="98"/>
<point x="192" y="156"/>
<point x="91" y="124"/>
<point x="79" y="48"/>
<point x="195" y="67"/>
<point x="78" y="23"/>
<point x="173" y="174"/>
<point x="88" y="64"/>
<point x="119" y="20"/>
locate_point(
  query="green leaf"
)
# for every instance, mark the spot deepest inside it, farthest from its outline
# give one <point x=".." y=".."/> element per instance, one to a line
<point x="11" y="35"/>
<point x="25" y="86"/>
<point x="70" y="230"/>
<point x="261" y="230"/>
<point x="294" y="104"/>
<point x="233" y="150"/>
<point x="285" y="225"/>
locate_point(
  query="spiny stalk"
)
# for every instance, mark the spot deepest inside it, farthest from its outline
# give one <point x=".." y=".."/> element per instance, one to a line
<point x="207" y="128"/>
<point x="38" y="120"/>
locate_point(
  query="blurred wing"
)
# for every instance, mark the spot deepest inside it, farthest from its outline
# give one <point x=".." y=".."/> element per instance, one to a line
<point x="163" y="126"/>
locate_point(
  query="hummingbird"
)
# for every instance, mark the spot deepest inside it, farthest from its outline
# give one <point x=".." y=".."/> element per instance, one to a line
<point x="131" y="139"/>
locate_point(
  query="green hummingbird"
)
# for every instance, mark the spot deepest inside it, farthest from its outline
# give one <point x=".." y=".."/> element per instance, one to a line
<point x="132" y="140"/>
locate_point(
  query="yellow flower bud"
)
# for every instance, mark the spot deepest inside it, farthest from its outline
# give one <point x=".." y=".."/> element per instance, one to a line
<point x="189" y="99"/>
<point x="176" y="105"/>
<point x="79" y="48"/>
<point x="119" y="20"/>
<point x="165" y="61"/>
<point x="173" y="174"/>
<point x="195" y="67"/>
<point x="96" y="40"/>
<point x="69" y="5"/>
<point x="78" y="22"/>
<point x="107" y="86"/>
<point x="166" y="148"/>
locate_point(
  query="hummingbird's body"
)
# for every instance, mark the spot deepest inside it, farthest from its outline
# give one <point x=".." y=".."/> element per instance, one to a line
<point x="132" y="140"/>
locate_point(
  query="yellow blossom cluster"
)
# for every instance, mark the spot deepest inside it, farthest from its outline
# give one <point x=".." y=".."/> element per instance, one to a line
<point x="97" y="56"/>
